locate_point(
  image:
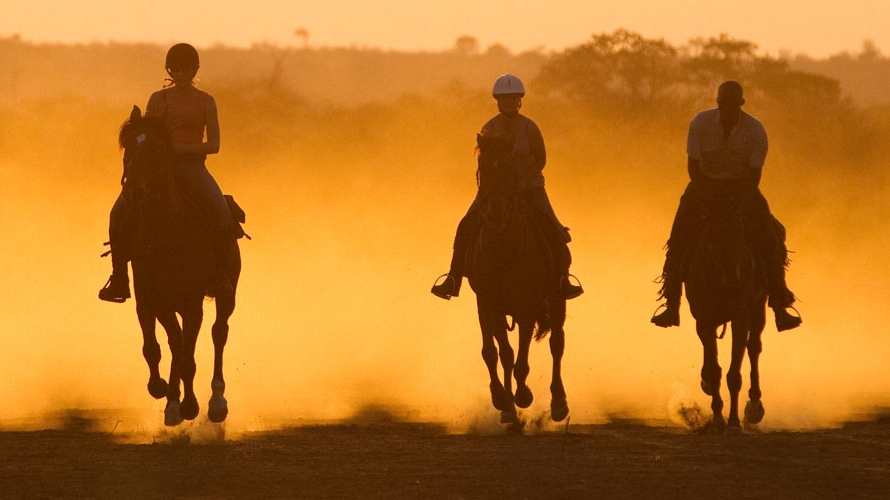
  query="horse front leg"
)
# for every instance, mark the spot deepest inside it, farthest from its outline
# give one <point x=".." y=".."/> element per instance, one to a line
<point x="172" y="413"/>
<point x="151" y="351"/>
<point x="734" y="374"/>
<point x="521" y="369"/>
<point x="559" y="406"/>
<point x="493" y="327"/>
<point x="711" y="372"/>
<point x="191" y="325"/>
<point x="217" y="407"/>
<point x="754" y="410"/>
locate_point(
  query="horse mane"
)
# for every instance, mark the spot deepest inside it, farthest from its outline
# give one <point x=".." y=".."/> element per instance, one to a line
<point x="495" y="170"/>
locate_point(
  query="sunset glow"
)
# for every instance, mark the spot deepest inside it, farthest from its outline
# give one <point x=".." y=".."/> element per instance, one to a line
<point x="814" y="27"/>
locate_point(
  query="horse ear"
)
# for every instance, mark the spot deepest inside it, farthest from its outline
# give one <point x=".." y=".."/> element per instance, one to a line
<point x="136" y="113"/>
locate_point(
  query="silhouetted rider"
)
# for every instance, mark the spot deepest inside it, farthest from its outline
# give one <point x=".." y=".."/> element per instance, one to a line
<point x="727" y="146"/>
<point x="528" y="157"/>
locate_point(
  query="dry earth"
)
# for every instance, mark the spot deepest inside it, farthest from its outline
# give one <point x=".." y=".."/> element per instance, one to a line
<point x="390" y="459"/>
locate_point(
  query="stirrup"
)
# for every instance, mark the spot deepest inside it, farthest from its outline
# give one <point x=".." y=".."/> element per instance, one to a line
<point x="440" y="290"/>
<point x="795" y="320"/>
<point x="107" y="292"/>
<point x="567" y="289"/>
<point x="660" y="319"/>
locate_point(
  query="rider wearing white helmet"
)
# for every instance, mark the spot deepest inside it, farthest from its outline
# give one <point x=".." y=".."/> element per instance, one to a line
<point x="529" y="157"/>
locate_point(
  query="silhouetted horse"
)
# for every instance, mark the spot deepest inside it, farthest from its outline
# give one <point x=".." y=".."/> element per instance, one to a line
<point x="512" y="272"/>
<point x="171" y="256"/>
<point x="726" y="283"/>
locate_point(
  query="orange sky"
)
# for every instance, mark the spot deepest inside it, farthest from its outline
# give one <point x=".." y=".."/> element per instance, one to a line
<point x="815" y="27"/>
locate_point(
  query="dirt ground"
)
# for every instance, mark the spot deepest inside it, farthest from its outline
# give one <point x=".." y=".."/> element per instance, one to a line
<point x="422" y="460"/>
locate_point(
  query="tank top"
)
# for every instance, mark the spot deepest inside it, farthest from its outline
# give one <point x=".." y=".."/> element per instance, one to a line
<point x="186" y="115"/>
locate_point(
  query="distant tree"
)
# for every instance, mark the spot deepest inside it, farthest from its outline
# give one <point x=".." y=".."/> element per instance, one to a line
<point x="303" y="35"/>
<point x="466" y="45"/>
<point x="620" y="70"/>
<point x="498" y="50"/>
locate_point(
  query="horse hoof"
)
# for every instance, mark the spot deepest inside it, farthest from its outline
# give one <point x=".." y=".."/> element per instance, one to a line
<point x="509" y="417"/>
<point x="499" y="398"/>
<point x="157" y="387"/>
<point x="559" y="410"/>
<point x="217" y="408"/>
<point x="172" y="415"/>
<point x="189" y="408"/>
<point x="732" y="430"/>
<point x="524" y="397"/>
<point x="754" y="412"/>
<point x="719" y="424"/>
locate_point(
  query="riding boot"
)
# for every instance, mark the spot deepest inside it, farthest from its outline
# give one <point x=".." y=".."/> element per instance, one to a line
<point x="450" y="287"/>
<point x="781" y="299"/>
<point x="117" y="288"/>
<point x="775" y="255"/>
<point x="463" y="238"/>
<point x="566" y="289"/>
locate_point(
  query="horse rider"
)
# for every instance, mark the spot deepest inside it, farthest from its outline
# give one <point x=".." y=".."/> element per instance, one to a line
<point x="193" y="122"/>
<point x="529" y="157"/>
<point x="727" y="146"/>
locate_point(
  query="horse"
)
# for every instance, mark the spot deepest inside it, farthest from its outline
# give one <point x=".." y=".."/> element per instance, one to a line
<point x="171" y="256"/>
<point x="512" y="272"/>
<point x="726" y="282"/>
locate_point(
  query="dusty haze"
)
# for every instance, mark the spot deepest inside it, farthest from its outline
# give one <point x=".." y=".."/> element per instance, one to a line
<point x="352" y="205"/>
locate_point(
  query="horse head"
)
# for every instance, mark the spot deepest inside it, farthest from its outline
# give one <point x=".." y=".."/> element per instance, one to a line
<point x="149" y="184"/>
<point x="147" y="151"/>
<point x="723" y="271"/>
<point x="495" y="167"/>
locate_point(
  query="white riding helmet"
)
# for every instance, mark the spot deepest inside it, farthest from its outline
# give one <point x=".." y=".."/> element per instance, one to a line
<point x="508" y="84"/>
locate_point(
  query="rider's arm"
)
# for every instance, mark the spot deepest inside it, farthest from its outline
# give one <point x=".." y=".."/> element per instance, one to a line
<point x="536" y="145"/>
<point x="692" y="165"/>
<point x="755" y="176"/>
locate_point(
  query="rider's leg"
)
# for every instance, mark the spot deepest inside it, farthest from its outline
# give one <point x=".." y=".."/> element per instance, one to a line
<point x="222" y="228"/>
<point x="771" y="236"/>
<point x="117" y="288"/>
<point x="467" y="229"/>
<point x="559" y="242"/>
<point x="671" y="278"/>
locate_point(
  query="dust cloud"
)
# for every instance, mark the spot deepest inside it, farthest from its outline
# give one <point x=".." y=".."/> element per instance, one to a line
<point x="352" y="210"/>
